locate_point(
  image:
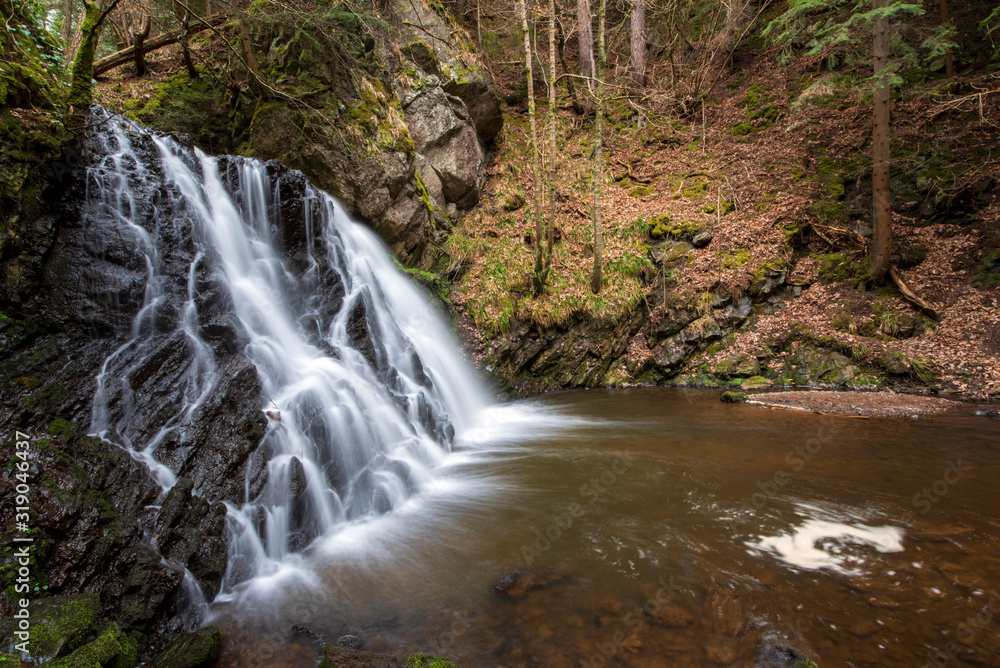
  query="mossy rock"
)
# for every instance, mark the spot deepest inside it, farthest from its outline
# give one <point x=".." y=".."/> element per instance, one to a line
<point x="428" y="661"/>
<point x="755" y="383"/>
<point x="810" y="365"/>
<point x="733" y="397"/>
<point x="60" y="624"/>
<point x="9" y="661"/>
<point x="192" y="650"/>
<point x="97" y="653"/>
<point x="642" y="191"/>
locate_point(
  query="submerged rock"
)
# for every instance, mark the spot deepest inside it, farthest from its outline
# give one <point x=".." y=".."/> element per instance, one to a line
<point x="518" y="583"/>
<point x="336" y="656"/>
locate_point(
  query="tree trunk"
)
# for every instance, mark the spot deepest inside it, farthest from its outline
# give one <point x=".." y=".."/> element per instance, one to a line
<point x="67" y="31"/>
<point x="185" y="41"/>
<point x="251" y="59"/>
<point x="138" y="39"/>
<point x="570" y="86"/>
<point x="550" y="241"/>
<point x="881" y="247"/>
<point x="81" y="89"/>
<point x="949" y="62"/>
<point x="585" y="38"/>
<point x="536" y="176"/>
<point x="595" y="281"/>
<point x="637" y="40"/>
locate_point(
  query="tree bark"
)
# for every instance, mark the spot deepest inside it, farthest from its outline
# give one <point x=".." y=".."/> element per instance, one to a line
<point x="138" y="39"/>
<point x="881" y="247"/>
<point x="637" y="40"/>
<point x="536" y="176"/>
<point x="949" y="61"/>
<point x="595" y="281"/>
<point x="585" y="39"/>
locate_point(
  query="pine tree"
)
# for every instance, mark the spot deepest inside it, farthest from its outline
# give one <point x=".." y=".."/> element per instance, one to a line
<point x="817" y="19"/>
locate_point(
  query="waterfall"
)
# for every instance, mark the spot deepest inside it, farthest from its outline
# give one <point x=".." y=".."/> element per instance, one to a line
<point x="362" y="385"/>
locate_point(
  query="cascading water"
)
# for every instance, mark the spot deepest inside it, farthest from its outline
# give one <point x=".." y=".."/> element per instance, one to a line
<point x="361" y="383"/>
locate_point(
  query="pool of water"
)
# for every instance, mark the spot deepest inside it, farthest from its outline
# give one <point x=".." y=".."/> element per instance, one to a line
<point x="683" y="531"/>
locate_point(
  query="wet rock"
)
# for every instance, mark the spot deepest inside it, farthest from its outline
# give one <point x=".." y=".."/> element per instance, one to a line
<point x="517" y="584"/>
<point x="191" y="650"/>
<point x="733" y="397"/>
<point x="777" y="655"/>
<point x="343" y="657"/>
<point x="100" y="652"/>
<point x="296" y="478"/>
<point x="351" y="642"/>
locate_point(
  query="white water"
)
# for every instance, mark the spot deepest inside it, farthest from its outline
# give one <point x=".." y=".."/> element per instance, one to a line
<point x="363" y="436"/>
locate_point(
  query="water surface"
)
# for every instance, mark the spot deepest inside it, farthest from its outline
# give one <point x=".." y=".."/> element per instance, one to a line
<point x="690" y="533"/>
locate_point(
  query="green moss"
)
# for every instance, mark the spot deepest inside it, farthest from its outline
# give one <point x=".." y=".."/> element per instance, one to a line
<point x="425" y="196"/>
<point x="733" y="397"/>
<point x="428" y="661"/>
<point x="96" y="653"/>
<point x="987" y="273"/>
<point x="191" y="649"/>
<point x="734" y="258"/>
<point x="642" y="191"/>
<point x="835" y="267"/>
<point x="61" y="624"/>
<point x="755" y="383"/>
<point x="662" y="226"/>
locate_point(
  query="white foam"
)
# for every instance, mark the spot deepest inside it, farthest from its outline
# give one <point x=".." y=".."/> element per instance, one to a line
<point x="819" y="544"/>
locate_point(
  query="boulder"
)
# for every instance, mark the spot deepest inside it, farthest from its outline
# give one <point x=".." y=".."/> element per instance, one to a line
<point x="191" y="650"/>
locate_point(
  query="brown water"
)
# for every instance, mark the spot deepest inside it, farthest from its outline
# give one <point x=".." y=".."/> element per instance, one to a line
<point x="671" y="515"/>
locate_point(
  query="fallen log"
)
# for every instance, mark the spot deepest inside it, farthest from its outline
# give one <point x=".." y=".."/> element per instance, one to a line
<point x="911" y="296"/>
<point x="128" y="55"/>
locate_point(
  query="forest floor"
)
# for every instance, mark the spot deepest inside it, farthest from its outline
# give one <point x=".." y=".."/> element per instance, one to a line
<point x="777" y="166"/>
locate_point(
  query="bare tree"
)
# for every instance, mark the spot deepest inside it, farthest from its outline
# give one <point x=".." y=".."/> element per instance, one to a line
<point x="585" y="38"/>
<point x="537" y="192"/>
<point x="595" y="281"/>
<point x="881" y="247"/>
<point x="637" y="40"/>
